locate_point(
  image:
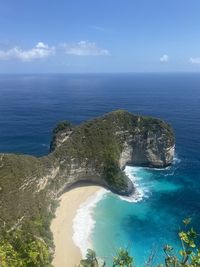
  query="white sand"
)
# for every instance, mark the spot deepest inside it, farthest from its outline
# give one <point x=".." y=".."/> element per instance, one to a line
<point x="67" y="254"/>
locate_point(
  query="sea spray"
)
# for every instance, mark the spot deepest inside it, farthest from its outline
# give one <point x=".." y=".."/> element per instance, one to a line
<point x="139" y="221"/>
<point x="176" y="160"/>
<point x="141" y="191"/>
<point x="83" y="222"/>
<point x="144" y="185"/>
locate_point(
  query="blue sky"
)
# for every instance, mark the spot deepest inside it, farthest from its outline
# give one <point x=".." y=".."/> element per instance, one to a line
<point x="99" y="36"/>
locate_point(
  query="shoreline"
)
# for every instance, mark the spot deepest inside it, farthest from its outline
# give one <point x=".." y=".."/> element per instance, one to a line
<point x="62" y="226"/>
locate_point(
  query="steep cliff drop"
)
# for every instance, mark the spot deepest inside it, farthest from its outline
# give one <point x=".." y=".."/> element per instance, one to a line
<point x="96" y="151"/>
<point x="99" y="149"/>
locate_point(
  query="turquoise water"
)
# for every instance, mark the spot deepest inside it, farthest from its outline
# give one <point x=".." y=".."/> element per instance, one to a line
<point x="142" y="224"/>
<point x="31" y="105"/>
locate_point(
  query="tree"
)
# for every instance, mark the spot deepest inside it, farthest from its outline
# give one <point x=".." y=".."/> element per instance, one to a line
<point x="122" y="259"/>
<point x="91" y="260"/>
<point x="188" y="256"/>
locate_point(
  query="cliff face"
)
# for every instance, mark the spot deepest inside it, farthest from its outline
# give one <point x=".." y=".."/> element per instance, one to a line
<point x="150" y="146"/>
<point x="96" y="151"/>
<point x="60" y="134"/>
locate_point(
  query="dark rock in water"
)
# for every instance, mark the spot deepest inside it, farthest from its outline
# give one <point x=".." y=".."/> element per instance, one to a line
<point x="97" y="151"/>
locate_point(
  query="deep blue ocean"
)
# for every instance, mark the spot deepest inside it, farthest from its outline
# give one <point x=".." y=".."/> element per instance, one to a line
<point x="31" y="105"/>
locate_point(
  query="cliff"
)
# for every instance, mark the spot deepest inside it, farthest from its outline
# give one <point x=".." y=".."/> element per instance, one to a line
<point x="96" y="151"/>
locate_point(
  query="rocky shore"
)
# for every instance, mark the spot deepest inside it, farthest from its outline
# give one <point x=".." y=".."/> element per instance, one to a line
<point x="96" y="151"/>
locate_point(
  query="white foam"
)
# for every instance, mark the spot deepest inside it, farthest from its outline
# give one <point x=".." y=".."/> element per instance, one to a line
<point x="176" y="160"/>
<point x="140" y="191"/>
<point x="157" y="169"/>
<point x="142" y="188"/>
<point x="169" y="174"/>
<point x="83" y="222"/>
<point x="174" y="166"/>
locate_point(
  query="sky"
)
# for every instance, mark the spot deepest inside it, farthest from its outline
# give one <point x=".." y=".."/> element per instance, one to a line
<point x="78" y="36"/>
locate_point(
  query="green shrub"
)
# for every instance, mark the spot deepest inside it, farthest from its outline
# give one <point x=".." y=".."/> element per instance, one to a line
<point x="61" y="126"/>
<point x="188" y="256"/>
<point x="19" y="249"/>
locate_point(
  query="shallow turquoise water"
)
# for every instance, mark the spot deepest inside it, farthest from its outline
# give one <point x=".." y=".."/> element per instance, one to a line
<point x="31" y="105"/>
<point x="143" y="226"/>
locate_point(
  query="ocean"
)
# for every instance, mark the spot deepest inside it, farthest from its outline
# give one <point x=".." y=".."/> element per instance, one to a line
<point x="31" y="105"/>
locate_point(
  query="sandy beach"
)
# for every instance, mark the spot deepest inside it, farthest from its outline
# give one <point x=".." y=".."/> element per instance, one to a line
<point x="67" y="254"/>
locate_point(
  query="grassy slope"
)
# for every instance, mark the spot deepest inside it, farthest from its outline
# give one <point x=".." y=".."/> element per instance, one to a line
<point x="95" y="140"/>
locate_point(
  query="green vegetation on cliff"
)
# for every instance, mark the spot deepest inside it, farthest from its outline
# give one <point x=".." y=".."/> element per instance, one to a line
<point x="63" y="125"/>
<point x="95" y="151"/>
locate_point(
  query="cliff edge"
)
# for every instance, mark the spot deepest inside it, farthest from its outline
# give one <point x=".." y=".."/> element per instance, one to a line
<point x="96" y="151"/>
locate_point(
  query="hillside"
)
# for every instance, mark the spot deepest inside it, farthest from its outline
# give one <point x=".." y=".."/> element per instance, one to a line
<point x="96" y="151"/>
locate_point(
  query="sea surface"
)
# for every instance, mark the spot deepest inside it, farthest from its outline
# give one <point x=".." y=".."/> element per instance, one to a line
<point x="31" y="105"/>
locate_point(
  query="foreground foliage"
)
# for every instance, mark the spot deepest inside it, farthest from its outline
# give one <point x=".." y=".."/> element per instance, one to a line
<point x="30" y="186"/>
<point x="24" y="250"/>
<point x="188" y="256"/>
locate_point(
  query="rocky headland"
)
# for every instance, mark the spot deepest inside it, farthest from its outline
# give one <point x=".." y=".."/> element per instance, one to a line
<point x="96" y="151"/>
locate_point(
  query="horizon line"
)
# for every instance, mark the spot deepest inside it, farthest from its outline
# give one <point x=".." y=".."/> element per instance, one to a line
<point x="100" y="73"/>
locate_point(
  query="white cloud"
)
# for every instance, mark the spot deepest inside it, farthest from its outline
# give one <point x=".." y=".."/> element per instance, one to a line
<point x="42" y="45"/>
<point x="84" y="48"/>
<point x="194" y="60"/>
<point x="41" y="50"/>
<point x="164" y="58"/>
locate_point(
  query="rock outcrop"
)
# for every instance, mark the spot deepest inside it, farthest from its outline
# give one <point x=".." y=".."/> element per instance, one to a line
<point x="96" y="151"/>
<point x="60" y="134"/>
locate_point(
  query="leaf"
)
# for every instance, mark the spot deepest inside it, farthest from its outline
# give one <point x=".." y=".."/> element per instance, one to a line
<point x="182" y="253"/>
<point x="187" y="221"/>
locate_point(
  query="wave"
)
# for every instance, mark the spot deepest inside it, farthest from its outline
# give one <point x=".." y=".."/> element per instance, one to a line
<point x="170" y="173"/>
<point x="172" y="168"/>
<point x="141" y="191"/>
<point x="176" y="160"/>
<point x="142" y="186"/>
<point x="83" y="222"/>
<point x="157" y="169"/>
